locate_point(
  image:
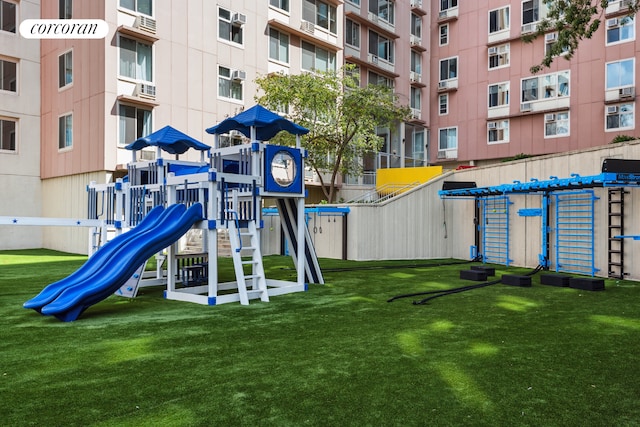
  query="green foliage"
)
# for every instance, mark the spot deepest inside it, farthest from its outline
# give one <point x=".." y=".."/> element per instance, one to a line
<point x="622" y="138"/>
<point x="517" y="157"/>
<point x="574" y="21"/>
<point x="341" y="115"/>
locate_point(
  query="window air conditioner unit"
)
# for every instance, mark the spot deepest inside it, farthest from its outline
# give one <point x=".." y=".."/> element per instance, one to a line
<point x="529" y="28"/>
<point x="414" y="77"/>
<point x="238" y="19"/>
<point x="612" y="109"/>
<point x="551" y="37"/>
<point x="146" y="24"/>
<point x="146" y="90"/>
<point x="442" y="85"/>
<point x="612" y="22"/>
<point x="374" y="59"/>
<point x="492" y="125"/>
<point x="307" y="26"/>
<point x="415" y="41"/>
<point x="416" y="3"/>
<point x="627" y="92"/>
<point x="238" y="75"/>
<point x="235" y="134"/>
<point x="442" y="14"/>
<point x="525" y="106"/>
<point x="626" y="3"/>
<point x="549" y="117"/>
<point x="442" y="154"/>
<point x="493" y="50"/>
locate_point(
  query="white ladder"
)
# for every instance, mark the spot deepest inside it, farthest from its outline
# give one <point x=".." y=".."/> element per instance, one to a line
<point x="240" y="253"/>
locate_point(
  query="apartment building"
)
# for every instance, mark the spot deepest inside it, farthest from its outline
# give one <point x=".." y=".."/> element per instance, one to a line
<point x="487" y="103"/>
<point x="19" y="123"/>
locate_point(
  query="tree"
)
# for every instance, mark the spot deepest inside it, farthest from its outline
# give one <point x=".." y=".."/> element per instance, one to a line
<point x="574" y="21"/>
<point x="341" y="117"/>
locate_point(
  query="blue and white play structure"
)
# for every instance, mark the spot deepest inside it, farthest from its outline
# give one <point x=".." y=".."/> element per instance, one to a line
<point x="160" y="200"/>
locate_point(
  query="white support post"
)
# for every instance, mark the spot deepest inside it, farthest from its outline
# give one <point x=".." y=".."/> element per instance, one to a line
<point x="301" y="259"/>
<point x="212" y="241"/>
<point x="121" y="205"/>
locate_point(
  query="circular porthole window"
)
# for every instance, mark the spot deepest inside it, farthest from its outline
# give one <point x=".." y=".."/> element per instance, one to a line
<point x="283" y="168"/>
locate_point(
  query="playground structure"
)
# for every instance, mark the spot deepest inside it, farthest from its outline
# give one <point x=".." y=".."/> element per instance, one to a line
<point x="160" y="200"/>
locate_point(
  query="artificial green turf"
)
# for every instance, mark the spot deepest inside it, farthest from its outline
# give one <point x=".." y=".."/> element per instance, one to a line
<point x="336" y="355"/>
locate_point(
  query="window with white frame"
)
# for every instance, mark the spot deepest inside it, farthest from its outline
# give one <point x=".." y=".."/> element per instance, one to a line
<point x="443" y="104"/>
<point x="140" y="6"/>
<point x="383" y="9"/>
<point x="230" y="26"/>
<point x="8" y="19"/>
<point x="530" y="11"/>
<point x="620" y="117"/>
<point x="353" y="71"/>
<point x="136" y="59"/>
<point x="317" y="59"/>
<point x="499" y="20"/>
<point x="499" y="95"/>
<point x="556" y="124"/>
<point x="545" y="87"/>
<point x="8" y="134"/>
<point x="418" y="147"/>
<point x="499" y="56"/>
<point x="377" y="79"/>
<point x="8" y="75"/>
<point x="416" y="62"/>
<point x="416" y="25"/>
<point x="356" y="2"/>
<point x="280" y="4"/>
<point x="65" y="9"/>
<point x="498" y="132"/>
<point x="448" y="139"/>
<point x="620" y="73"/>
<point x="550" y="39"/>
<point x="65" y="69"/>
<point x="229" y="86"/>
<point x="65" y="131"/>
<point x="352" y="33"/>
<point x="448" y="4"/>
<point x="416" y="95"/>
<point x="443" y="30"/>
<point x="133" y="123"/>
<point x="381" y="46"/>
<point x="320" y="13"/>
<point x="448" y="68"/>
<point x="278" y="46"/>
<point x="621" y="30"/>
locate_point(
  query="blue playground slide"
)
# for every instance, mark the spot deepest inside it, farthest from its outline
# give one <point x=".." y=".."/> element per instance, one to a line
<point x="118" y="267"/>
<point x="87" y="269"/>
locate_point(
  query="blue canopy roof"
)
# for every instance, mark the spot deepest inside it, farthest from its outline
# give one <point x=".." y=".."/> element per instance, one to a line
<point x="267" y="124"/>
<point x="168" y="139"/>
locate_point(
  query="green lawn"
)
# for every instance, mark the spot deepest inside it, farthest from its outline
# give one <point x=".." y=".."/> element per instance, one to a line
<point x="337" y="355"/>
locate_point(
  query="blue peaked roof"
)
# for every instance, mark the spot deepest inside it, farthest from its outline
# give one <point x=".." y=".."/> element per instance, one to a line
<point x="168" y="139"/>
<point x="267" y="124"/>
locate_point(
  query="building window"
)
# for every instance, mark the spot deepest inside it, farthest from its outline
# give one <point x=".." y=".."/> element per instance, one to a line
<point x="620" y="73"/>
<point x="556" y="124"/>
<point x="381" y="46"/>
<point x="619" y="117"/>
<point x="448" y="139"/>
<point x="352" y="33"/>
<point x="416" y="25"/>
<point x="228" y="85"/>
<point x="530" y="11"/>
<point x="353" y="71"/>
<point x="65" y="131"/>
<point x="136" y="59"/>
<point x="499" y="95"/>
<point x="8" y="16"/>
<point x="550" y="39"/>
<point x="278" y="46"/>
<point x="65" y="69"/>
<point x="620" y="29"/>
<point x="229" y="141"/>
<point x="66" y="9"/>
<point x="545" y="87"/>
<point x="9" y="75"/>
<point x="499" y="20"/>
<point x="499" y="56"/>
<point x="443" y="104"/>
<point x="448" y="69"/>
<point x="320" y="13"/>
<point x="134" y="123"/>
<point x="448" y="4"/>
<point x="280" y="4"/>
<point x="498" y="132"/>
<point x="444" y="34"/>
<point x="416" y="94"/>
<point x="377" y="79"/>
<point x="229" y="29"/>
<point x="141" y="6"/>
<point x="383" y="9"/>
<point x="317" y="59"/>
<point x="7" y="135"/>
<point x="416" y="62"/>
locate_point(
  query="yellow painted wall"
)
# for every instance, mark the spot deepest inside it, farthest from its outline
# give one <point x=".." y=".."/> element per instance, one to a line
<point x="393" y="179"/>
